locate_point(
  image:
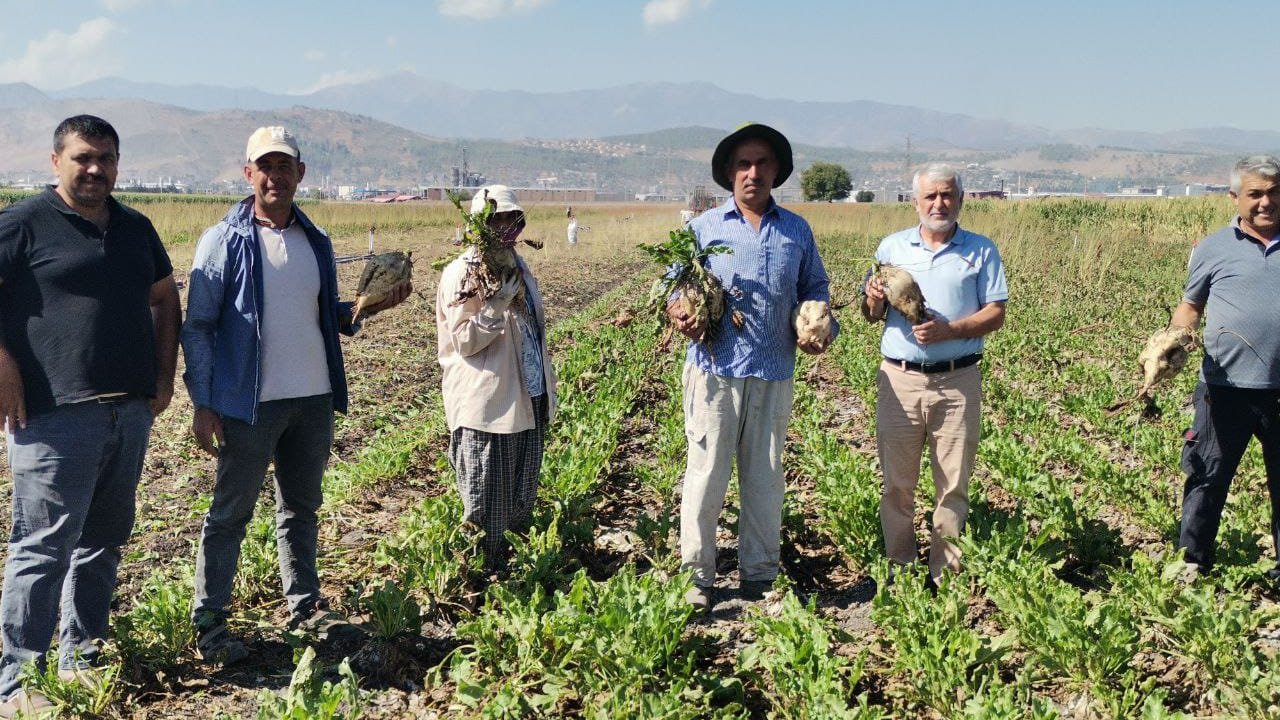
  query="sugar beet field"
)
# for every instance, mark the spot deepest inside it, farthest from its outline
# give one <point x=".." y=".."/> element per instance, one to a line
<point x="1071" y="604"/>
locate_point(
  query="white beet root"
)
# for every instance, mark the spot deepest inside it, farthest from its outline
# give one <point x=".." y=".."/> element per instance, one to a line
<point x="812" y="321"/>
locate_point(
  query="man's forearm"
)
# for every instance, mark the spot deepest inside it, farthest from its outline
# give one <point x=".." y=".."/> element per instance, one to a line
<point x="167" y="319"/>
<point x="988" y="319"/>
<point x="1186" y="315"/>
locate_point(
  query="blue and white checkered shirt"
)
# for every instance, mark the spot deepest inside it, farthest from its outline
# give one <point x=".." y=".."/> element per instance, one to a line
<point x="767" y="275"/>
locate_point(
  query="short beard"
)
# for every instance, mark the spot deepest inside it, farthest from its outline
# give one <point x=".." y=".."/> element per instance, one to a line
<point x="938" y="225"/>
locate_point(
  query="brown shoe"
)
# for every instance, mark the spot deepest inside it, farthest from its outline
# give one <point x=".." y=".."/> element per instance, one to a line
<point x="700" y="598"/>
<point x="27" y="704"/>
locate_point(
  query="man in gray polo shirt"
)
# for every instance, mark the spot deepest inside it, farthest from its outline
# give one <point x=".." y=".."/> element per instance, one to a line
<point x="929" y="388"/>
<point x="1232" y="283"/>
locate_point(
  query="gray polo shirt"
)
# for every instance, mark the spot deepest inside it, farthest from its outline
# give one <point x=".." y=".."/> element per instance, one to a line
<point x="1237" y="282"/>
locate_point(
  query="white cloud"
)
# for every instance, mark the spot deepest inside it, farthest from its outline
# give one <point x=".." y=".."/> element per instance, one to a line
<point x="124" y="6"/>
<point x="61" y="59"/>
<point x="663" y="12"/>
<point x="313" y="55"/>
<point x="341" y="77"/>
<point x="487" y="9"/>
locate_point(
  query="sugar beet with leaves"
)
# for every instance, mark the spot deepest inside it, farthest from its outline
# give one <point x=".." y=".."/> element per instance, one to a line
<point x="699" y="292"/>
<point x="494" y="260"/>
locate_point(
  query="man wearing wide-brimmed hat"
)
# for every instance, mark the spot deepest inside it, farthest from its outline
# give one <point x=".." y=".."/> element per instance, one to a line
<point x="738" y="387"/>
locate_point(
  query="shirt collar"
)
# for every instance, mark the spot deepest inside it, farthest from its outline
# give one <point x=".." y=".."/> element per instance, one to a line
<point x="957" y="238"/>
<point x="263" y="222"/>
<point x="51" y="194"/>
<point x="730" y="207"/>
<point x="1242" y="235"/>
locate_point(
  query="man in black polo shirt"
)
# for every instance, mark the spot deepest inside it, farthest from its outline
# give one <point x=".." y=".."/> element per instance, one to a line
<point x="89" y="319"/>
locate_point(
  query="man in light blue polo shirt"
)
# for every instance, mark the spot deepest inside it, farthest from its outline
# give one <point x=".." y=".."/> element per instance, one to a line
<point x="738" y="387"/>
<point x="929" y="385"/>
<point x="1233" y="285"/>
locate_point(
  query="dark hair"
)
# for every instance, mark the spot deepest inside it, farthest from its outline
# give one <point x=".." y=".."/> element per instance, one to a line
<point x="87" y="127"/>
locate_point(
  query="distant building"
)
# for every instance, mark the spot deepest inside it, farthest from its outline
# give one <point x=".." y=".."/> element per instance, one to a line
<point x="524" y="194"/>
<point x="1197" y="189"/>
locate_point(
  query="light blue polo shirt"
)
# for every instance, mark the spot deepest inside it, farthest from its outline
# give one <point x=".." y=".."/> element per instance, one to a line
<point x="956" y="279"/>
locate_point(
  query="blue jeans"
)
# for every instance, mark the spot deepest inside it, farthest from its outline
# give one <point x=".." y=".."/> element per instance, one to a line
<point x="75" y="474"/>
<point x="296" y="434"/>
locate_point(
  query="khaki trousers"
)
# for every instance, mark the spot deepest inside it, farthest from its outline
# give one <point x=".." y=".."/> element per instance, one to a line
<point x="727" y="419"/>
<point x="945" y="410"/>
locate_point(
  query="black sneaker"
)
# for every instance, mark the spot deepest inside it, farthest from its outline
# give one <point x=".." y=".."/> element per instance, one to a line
<point x="323" y="623"/>
<point x="753" y="590"/>
<point x="215" y="644"/>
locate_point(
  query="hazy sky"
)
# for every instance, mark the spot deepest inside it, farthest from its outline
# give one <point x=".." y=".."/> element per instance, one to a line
<point x="1119" y="64"/>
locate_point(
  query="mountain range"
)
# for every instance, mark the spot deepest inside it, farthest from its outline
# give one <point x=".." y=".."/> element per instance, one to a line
<point x="405" y="127"/>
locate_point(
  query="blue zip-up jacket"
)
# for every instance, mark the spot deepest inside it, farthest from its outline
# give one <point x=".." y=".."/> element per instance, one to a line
<point x="223" y="329"/>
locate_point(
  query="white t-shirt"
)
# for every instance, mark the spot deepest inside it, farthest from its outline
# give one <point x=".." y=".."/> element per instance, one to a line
<point x="293" y="359"/>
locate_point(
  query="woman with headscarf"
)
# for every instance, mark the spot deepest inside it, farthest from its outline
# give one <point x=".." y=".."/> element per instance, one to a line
<point x="498" y="384"/>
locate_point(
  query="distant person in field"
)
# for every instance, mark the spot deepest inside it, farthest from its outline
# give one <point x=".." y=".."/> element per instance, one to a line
<point x="89" y="317"/>
<point x="265" y="374"/>
<point x="929" y="387"/>
<point x="571" y="232"/>
<point x="498" y="383"/>
<point x="1233" y="285"/>
<point x="738" y="389"/>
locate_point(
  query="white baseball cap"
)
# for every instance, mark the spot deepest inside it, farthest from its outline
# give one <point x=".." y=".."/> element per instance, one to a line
<point x="271" y="139"/>
<point x="504" y="196"/>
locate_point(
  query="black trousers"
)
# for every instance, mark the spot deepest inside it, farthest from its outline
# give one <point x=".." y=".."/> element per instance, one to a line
<point x="1226" y="419"/>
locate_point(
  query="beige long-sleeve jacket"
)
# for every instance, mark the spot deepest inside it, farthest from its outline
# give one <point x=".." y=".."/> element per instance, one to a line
<point x="479" y="353"/>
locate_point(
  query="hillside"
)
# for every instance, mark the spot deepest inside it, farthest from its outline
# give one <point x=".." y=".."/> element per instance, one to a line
<point x="202" y="149"/>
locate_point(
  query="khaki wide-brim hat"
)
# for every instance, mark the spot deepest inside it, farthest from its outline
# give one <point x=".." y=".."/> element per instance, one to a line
<point x="748" y="131"/>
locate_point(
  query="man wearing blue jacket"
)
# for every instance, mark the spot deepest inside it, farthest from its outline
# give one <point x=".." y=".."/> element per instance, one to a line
<point x="265" y="373"/>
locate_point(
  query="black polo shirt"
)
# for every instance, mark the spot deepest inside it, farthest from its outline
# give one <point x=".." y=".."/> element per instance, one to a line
<point x="75" y="301"/>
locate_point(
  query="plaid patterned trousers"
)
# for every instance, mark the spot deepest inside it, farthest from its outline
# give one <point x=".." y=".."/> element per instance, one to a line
<point x="498" y="479"/>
